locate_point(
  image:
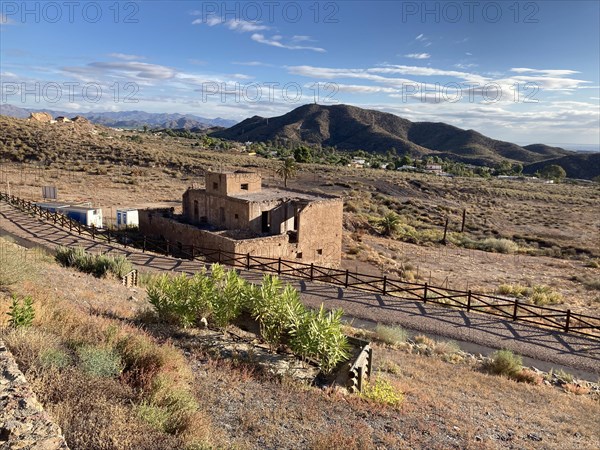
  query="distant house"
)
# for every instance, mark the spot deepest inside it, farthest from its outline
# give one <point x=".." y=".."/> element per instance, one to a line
<point x="434" y="168"/>
<point x="406" y="168"/>
<point x="357" y="162"/>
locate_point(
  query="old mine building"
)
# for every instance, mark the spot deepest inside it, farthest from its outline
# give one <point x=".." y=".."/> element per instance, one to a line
<point x="234" y="213"/>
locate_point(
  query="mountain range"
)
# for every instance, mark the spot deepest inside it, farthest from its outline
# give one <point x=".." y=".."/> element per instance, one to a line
<point x="351" y="128"/>
<point x="128" y="119"/>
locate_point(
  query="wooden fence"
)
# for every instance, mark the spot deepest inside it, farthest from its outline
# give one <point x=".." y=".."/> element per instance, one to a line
<point x="507" y="308"/>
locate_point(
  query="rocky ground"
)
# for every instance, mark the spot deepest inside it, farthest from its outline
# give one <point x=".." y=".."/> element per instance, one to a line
<point x="23" y="422"/>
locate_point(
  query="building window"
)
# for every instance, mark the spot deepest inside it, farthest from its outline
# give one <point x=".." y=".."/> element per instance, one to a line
<point x="244" y="186"/>
<point x="236" y="216"/>
<point x="319" y="251"/>
<point x="215" y="186"/>
<point x="299" y="255"/>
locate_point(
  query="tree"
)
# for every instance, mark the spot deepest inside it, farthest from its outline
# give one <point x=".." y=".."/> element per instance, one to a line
<point x="553" y="172"/>
<point x="287" y="169"/>
<point x="517" y="168"/>
<point x="303" y="154"/>
<point x="389" y="223"/>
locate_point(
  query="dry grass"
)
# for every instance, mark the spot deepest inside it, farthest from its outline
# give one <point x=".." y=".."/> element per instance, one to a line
<point x="238" y="406"/>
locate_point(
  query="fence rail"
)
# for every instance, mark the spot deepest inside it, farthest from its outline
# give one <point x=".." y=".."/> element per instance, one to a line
<point x="507" y="308"/>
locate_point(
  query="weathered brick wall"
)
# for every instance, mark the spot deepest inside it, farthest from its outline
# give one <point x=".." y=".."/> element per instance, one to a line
<point x="320" y="232"/>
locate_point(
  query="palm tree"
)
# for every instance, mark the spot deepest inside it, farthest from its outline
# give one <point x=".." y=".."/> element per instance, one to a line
<point x="287" y="169"/>
<point x="389" y="223"/>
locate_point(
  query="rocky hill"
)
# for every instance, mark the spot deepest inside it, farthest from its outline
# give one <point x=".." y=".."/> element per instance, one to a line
<point x="351" y="128"/>
<point x="128" y="119"/>
<point x="578" y="165"/>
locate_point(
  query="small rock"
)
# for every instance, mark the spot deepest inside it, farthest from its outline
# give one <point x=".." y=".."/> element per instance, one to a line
<point x="478" y="438"/>
<point x="534" y="437"/>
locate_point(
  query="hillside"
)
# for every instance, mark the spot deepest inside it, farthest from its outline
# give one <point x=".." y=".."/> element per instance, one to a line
<point x="351" y="128"/>
<point x="128" y="119"/>
<point x="578" y="165"/>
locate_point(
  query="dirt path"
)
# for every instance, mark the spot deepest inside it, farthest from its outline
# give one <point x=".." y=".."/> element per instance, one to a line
<point x="566" y="349"/>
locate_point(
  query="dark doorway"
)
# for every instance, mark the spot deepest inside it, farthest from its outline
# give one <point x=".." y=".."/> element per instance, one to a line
<point x="266" y="221"/>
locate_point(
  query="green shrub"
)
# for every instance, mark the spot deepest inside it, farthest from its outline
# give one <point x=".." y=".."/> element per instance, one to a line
<point x="169" y="406"/>
<point x="99" y="361"/>
<point x="498" y="245"/>
<point x="514" y="290"/>
<point x="381" y="391"/>
<point x="504" y="362"/>
<point x="544" y="295"/>
<point x="222" y="295"/>
<point x="318" y="335"/>
<point x="270" y="308"/>
<point x="21" y="313"/>
<point x="392" y="335"/>
<point x="55" y="357"/>
<point x="230" y="295"/>
<point x="97" y="265"/>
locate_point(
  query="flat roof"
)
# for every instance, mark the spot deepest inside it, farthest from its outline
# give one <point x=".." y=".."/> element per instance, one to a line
<point x="269" y="194"/>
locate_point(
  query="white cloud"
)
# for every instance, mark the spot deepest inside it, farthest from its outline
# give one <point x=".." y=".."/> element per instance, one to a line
<point x="251" y="63"/>
<point x="125" y="56"/>
<point x="125" y="69"/>
<point x="241" y="76"/>
<point x="301" y="38"/>
<point x="556" y="73"/>
<point x="465" y="66"/>
<point x="421" y="37"/>
<point x="261" y="39"/>
<point x="239" y="25"/>
<point x="418" y="56"/>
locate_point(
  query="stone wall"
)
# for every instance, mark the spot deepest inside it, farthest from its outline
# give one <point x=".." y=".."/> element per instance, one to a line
<point x="318" y="242"/>
<point x="23" y="422"/>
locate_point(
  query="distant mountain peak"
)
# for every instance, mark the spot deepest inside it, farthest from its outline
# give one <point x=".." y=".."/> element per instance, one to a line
<point x="128" y="119"/>
<point x="351" y="128"/>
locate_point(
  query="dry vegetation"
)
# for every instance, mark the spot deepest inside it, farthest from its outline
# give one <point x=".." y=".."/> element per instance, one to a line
<point x="549" y="232"/>
<point x="112" y="382"/>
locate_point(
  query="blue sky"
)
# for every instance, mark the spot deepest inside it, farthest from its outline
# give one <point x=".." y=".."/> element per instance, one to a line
<point x="519" y="71"/>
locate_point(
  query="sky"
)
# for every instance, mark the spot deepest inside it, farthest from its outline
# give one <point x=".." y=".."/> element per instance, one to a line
<point x="521" y="71"/>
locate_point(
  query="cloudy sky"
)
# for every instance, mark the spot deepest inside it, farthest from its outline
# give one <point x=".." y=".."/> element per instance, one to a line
<point x="519" y="71"/>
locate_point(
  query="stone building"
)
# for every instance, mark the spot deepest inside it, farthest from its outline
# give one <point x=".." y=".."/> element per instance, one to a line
<point x="234" y="213"/>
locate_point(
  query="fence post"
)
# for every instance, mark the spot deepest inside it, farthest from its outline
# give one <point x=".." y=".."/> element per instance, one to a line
<point x="247" y="261"/>
<point x="425" y="293"/>
<point x="312" y="267"/>
<point x="385" y="285"/>
<point x="108" y="235"/>
<point x="279" y="266"/>
<point x="93" y="232"/>
<point x="347" y="277"/>
<point x="515" y="310"/>
<point x="568" y="321"/>
<point x="144" y="245"/>
<point x="193" y="252"/>
<point x="168" y="249"/>
<point x="469" y="300"/>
